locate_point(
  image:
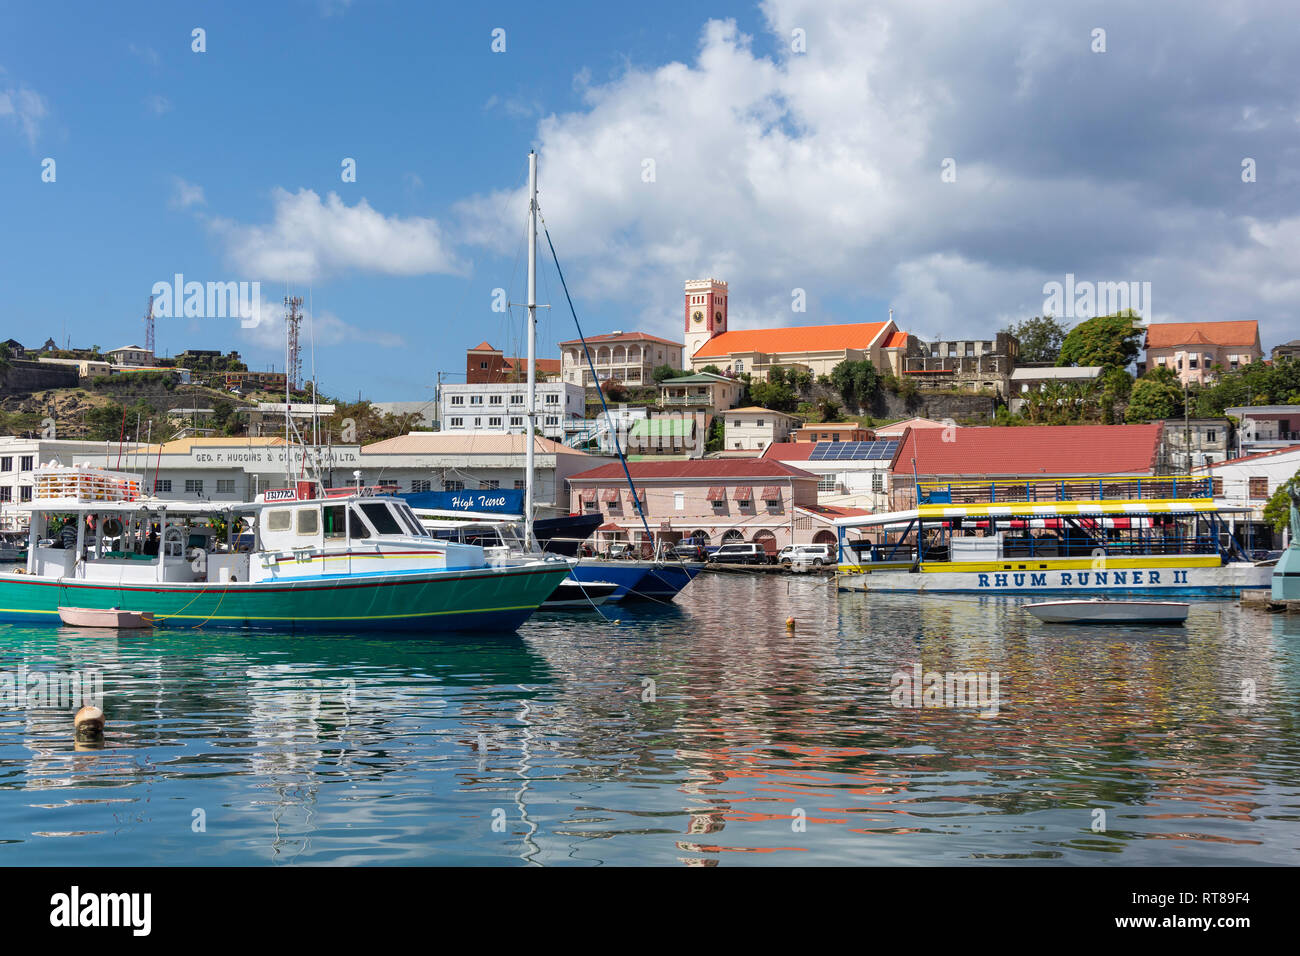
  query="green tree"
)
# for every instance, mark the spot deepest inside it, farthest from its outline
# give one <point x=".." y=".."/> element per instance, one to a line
<point x="712" y="370"/>
<point x="4" y="359"/>
<point x="1040" y="338"/>
<point x="1111" y="341"/>
<point x="775" y="393"/>
<point x="717" y="439"/>
<point x="1277" y="512"/>
<point x="1153" y="399"/>
<point x="856" y="381"/>
<point x="662" y="372"/>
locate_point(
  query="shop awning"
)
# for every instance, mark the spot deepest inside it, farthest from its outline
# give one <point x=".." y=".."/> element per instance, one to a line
<point x="772" y="493"/>
<point x="744" y="494"/>
<point x="717" y="493"/>
<point x="611" y="494"/>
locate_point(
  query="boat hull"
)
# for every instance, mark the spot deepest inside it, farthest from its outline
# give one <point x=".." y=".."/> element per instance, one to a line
<point x="1109" y="612"/>
<point x="483" y="599"/>
<point x="1222" y="580"/>
<point x="639" y="581"/>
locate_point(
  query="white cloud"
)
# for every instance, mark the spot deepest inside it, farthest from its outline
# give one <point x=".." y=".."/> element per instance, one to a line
<point x="186" y="194"/>
<point x="158" y="104"/>
<point x="309" y="239"/>
<point x="329" y="330"/>
<point x="24" y="108"/>
<point x="821" y="170"/>
<point x="146" y="54"/>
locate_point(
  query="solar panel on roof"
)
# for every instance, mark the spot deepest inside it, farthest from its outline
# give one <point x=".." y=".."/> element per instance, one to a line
<point x="853" y="450"/>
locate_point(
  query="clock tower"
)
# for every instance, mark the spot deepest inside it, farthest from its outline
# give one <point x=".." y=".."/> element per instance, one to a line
<point x="706" y="313"/>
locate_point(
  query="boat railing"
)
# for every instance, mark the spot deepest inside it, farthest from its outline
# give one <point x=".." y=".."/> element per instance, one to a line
<point x="1046" y="490"/>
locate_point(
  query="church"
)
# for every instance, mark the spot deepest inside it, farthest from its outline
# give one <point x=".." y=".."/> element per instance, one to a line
<point x="815" y="348"/>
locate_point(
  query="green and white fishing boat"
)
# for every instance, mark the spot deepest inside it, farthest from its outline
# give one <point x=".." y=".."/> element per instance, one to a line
<point x="296" y="559"/>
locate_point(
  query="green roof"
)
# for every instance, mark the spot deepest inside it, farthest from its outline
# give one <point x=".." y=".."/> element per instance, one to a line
<point x="663" y="428"/>
<point x="699" y="378"/>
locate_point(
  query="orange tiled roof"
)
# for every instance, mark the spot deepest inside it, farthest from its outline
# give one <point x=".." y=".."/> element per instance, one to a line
<point x="483" y="347"/>
<point x="806" y="338"/>
<point x="1167" y="335"/>
<point x="897" y="340"/>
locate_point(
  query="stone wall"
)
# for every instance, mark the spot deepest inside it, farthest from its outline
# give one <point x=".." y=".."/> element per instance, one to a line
<point x="23" y="377"/>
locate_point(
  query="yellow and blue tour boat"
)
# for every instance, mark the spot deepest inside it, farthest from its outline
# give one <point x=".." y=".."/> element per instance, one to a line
<point x="1120" y="535"/>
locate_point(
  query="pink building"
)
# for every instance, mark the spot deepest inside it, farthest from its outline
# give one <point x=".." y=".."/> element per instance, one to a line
<point x="1193" y="349"/>
<point x="716" y="500"/>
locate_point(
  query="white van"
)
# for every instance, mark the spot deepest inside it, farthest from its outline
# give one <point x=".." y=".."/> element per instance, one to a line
<point x="814" y="554"/>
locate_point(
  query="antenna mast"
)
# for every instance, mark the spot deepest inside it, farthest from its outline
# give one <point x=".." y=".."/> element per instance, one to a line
<point x="292" y="319"/>
<point x="148" y="326"/>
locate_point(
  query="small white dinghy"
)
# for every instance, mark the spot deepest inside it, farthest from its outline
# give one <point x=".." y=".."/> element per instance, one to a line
<point x="104" y="617"/>
<point x="1105" y="611"/>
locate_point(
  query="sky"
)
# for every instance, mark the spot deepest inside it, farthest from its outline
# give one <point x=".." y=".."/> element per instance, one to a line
<point x="946" y="160"/>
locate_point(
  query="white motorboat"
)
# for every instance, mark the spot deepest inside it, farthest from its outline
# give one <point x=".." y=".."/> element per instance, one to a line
<point x="1104" y="611"/>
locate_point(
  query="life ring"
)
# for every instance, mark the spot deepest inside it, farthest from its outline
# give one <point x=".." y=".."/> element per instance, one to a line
<point x="112" y="528"/>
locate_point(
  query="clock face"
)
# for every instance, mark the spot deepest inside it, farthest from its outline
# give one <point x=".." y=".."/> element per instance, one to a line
<point x="698" y="316"/>
<point x="717" y="318"/>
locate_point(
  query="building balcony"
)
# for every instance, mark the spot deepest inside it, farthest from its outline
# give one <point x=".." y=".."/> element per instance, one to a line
<point x="694" y="400"/>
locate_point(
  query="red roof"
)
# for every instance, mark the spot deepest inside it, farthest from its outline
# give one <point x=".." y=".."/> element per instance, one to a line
<point x="624" y="337"/>
<point x="807" y="338"/>
<point x="789" y="450"/>
<point x="834" y="511"/>
<point x="1168" y="335"/>
<point x="896" y="341"/>
<point x="725" y="469"/>
<point x="547" y="366"/>
<point x="1030" y="450"/>
<point x="482" y="347"/>
<point x="1260" y="454"/>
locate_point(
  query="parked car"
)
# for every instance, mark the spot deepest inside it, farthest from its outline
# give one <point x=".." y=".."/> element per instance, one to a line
<point x="625" y="551"/>
<point x="689" y="552"/>
<point x="814" y="554"/>
<point x="740" y="554"/>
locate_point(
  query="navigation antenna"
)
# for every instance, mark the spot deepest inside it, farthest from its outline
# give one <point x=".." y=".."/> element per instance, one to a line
<point x="292" y="362"/>
<point x="148" y="326"/>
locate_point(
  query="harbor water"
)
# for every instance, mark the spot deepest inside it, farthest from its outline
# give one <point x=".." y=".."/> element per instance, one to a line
<point x="699" y="733"/>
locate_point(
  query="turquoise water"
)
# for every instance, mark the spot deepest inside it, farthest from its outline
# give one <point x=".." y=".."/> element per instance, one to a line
<point x="758" y="745"/>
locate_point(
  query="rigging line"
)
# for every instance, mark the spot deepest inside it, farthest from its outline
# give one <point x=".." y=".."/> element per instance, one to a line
<point x="636" y="496"/>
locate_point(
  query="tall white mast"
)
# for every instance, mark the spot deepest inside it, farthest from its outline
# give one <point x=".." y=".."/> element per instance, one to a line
<point x="532" y="347"/>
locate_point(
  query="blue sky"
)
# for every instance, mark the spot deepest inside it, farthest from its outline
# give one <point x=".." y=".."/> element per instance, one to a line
<point x="776" y="168"/>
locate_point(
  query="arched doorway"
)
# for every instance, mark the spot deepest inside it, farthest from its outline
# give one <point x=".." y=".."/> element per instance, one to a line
<point x="700" y="537"/>
<point x="824" y="537"/>
<point x="768" y="540"/>
<point x="733" y="537"/>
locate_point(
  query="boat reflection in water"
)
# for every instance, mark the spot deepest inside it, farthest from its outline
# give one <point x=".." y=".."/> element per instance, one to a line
<point x="697" y="733"/>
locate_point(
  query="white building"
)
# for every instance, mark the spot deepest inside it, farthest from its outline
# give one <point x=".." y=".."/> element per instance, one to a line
<point x="1265" y="427"/>
<point x="238" y="469"/>
<point x="132" y="355"/>
<point x="1251" y="480"/>
<point x="1027" y="379"/>
<point x="501" y="407"/>
<point x="19" y="458"/>
<point x="754" y="428"/>
<point x="850" y="474"/>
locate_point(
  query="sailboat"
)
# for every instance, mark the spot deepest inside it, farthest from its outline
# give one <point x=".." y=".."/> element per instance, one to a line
<point x="653" y="581"/>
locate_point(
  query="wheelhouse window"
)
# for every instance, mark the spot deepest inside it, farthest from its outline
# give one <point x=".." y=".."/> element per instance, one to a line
<point x="278" y="519"/>
<point x="381" y="517"/>
<point x="358" y="525"/>
<point x="308" y="521"/>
